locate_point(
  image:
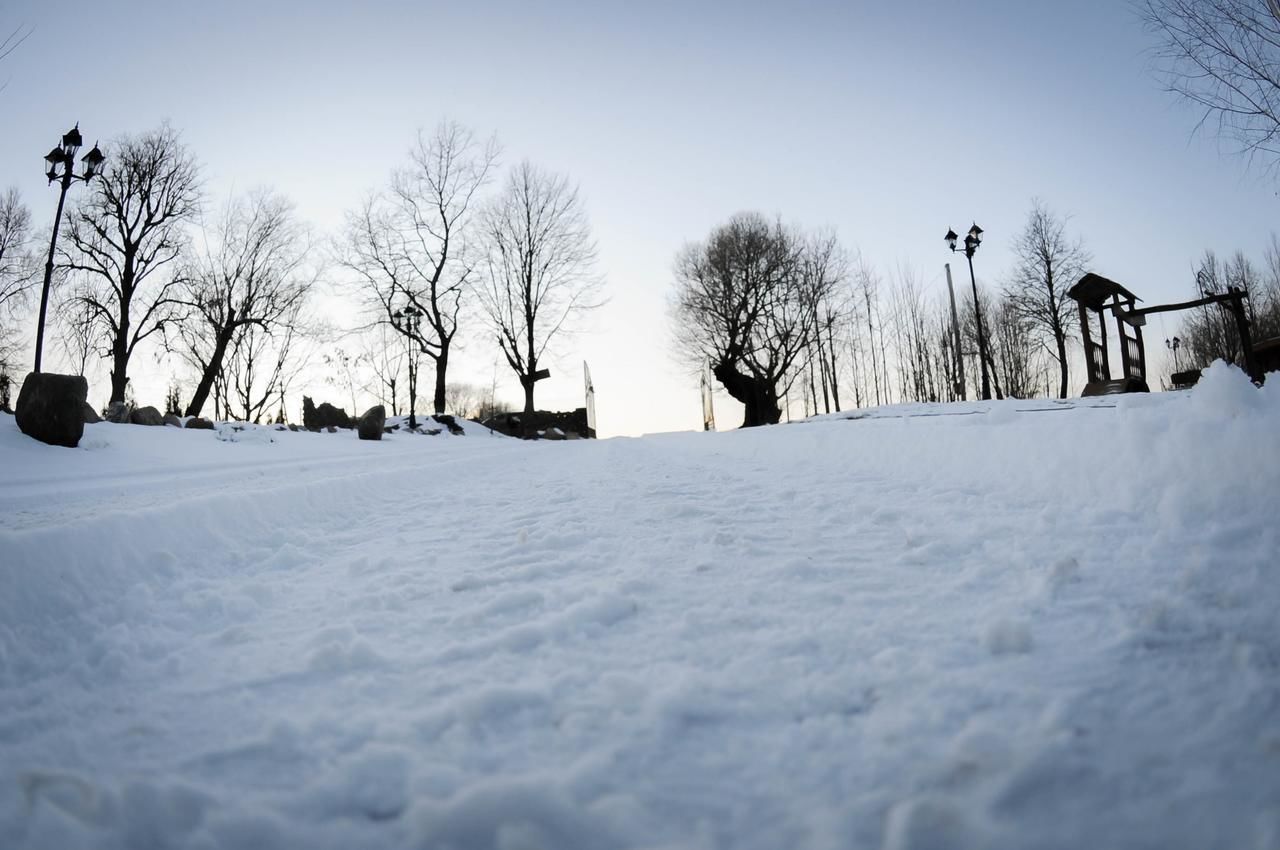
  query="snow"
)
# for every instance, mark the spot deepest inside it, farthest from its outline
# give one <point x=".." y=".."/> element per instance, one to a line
<point x="995" y="624"/>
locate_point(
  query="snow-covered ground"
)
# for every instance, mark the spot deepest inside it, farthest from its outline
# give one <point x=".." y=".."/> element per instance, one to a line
<point x="1027" y="625"/>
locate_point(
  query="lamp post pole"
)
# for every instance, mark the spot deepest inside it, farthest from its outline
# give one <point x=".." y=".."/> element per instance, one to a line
<point x="408" y="321"/>
<point x="64" y="155"/>
<point x="971" y="242"/>
<point x="1173" y="345"/>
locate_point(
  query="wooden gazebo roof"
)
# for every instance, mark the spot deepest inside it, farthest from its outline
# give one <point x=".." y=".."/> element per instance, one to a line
<point x="1093" y="289"/>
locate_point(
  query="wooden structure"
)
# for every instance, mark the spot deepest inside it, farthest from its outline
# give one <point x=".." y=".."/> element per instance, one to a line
<point x="1266" y="355"/>
<point x="1096" y="294"/>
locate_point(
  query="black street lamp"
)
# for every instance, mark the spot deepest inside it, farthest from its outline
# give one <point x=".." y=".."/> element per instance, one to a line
<point x="63" y="155"/>
<point x="1173" y="345"/>
<point x="407" y="322"/>
<point x="971" y="242"/>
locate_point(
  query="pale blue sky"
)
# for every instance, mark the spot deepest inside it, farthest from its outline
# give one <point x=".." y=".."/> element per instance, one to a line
<point x="888" y="122"/>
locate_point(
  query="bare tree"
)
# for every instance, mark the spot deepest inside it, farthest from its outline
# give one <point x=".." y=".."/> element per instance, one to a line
<point x="914" y="325"/>
<point x="540" y="269"/>
<point x="465" y="400"/>
<point x="1210" y="332"/>
<point x="247" y="271"/>
<point x="260" y="365"/>
<point x="868" y="352"/>
<point x="18" y="272"/>
<point x="412" y="248"/>
<point x="1265" y="301"/>
<point x="824" y="267"/>
<point x="745" y="302"/>
<point x="76" y="333"/>
<point x="386" y="360"/>
<point x="992" y="313"/>
<point x="1016" y="351"/>
<point x="123" y="240"/>
<point x="1047" y="264"/>
<point x="345" y="370"/>
<point x="1222" y="56"/>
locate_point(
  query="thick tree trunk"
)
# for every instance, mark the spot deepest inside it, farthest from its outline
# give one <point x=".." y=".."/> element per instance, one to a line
<point x="120" y="345"/>
<point x="759" y="399"/>
<point x="119" y="376"/>
<point x="442" y="366"/>
<point x="119" y="367"/>
<point x="211" y="370"/>
<point x="527" y="382"/>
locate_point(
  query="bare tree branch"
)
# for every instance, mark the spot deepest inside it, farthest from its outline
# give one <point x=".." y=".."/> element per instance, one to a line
<point x="1223" y="56"/>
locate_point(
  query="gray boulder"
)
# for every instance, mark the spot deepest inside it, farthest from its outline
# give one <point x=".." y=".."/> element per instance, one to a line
<point x="170" y="419"/>
<point x="90" y="415"/>
<point x="119" y="412"/>
<point x="51" y="408"/>
<point x="146" y="416"/>
<point x="199" y="423"/>
<point x="369" y="426"/>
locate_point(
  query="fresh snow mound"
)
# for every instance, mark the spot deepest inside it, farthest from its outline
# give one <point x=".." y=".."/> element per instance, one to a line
<point x="1019" y="624"/>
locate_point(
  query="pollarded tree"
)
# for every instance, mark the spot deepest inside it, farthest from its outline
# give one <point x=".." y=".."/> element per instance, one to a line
<point x="540" y="270"/>
<point x="1047" y="264"/>
<point x="122" y="241"/>
<point x="248" y="270"/>
<point x="412" y="249"/>
<point x="744" y="303"/>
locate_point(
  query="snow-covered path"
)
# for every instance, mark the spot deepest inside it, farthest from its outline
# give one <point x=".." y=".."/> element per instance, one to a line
<point x="902" y="633"/>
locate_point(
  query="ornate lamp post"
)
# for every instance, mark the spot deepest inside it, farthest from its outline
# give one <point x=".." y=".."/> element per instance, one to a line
<point x="407" y="322"/>
<point x="63" y="155"/>
<point x="971" y="242"/>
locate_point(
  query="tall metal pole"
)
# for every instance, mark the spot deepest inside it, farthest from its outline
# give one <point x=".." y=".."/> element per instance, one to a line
<point x="955" y="328"/>
<point x="411" y="321"/>
<point x="48" y="266"/>
<point x="982" y="336"/>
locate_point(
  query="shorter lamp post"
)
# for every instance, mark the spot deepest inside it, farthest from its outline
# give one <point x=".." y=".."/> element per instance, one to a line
<point x="971" y="242"/>
<point x="1173" y="345"/>
<point x="63" y="155"/>
<point x="407" y="322"/>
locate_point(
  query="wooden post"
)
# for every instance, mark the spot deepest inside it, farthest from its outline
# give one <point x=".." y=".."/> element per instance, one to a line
<point x="1246" y="340"/>
<point x="1089" y="365"/>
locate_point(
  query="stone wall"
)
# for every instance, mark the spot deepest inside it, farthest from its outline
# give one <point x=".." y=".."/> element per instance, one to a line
<point x="532" y="426"/>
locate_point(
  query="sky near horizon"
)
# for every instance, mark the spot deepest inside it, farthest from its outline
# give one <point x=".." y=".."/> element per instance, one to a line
<point x="887" y="122"/>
